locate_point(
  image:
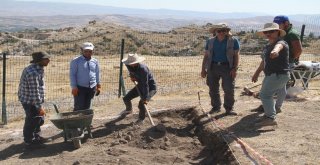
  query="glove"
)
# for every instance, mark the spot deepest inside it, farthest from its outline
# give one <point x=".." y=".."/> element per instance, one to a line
<point x="98" y="89"/>
<point x="42" y="112"/>
<point x="133" y="79"/>
<point x="145" y="102"/>
<point x="75" y="91"/>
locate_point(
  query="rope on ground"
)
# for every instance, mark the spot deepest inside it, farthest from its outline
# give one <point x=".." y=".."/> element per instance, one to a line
<point x="221" y="127"/>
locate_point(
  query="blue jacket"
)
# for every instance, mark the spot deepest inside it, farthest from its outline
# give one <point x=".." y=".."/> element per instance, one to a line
<point x="145" y="79"/>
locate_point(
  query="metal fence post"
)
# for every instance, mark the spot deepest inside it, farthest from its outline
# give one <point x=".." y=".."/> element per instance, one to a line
<point x="4" y="111"/>
<point x="302" y="32"/>
<point x="121" y="81"/>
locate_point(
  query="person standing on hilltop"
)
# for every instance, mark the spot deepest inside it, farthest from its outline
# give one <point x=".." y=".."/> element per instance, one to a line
<point x="275" y="64"/>
<point x="31" y="95"/>
<point x="84" y="77"/>
<point x="221" y="61"/>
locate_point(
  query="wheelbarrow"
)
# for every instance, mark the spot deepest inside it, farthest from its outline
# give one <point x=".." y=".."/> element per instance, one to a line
<point x="74" y="124"/>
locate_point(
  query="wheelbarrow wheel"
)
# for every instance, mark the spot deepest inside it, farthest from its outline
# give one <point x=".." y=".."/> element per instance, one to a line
<point x="76" y="143"/>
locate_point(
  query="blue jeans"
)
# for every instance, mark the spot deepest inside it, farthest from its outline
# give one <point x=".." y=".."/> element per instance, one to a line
<point x="271" y="84"/>
<point x="215" y="73"/>
<point x="31" y="128"/>
<point x="84" y="98"/>
<point x="282" y="92"/>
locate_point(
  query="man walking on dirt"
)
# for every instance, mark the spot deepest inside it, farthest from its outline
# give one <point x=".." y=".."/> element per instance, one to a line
<point x="84" y="77"/>
<point x="146" y="87"/>
<point x="221" y="61"/>
<point x="31" y="95"/>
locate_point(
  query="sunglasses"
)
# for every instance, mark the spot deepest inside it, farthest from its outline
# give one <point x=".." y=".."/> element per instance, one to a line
<point x="269" y="32"/>
<point x="221" y="30"/>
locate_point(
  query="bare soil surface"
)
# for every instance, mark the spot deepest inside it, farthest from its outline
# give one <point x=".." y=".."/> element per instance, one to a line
<point x="189" y="137"/>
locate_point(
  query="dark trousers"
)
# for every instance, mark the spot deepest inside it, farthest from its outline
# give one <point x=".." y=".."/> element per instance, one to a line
<point x="32" y="123"/>
<point x="84" y="98"/>
<point x="215" y="73"/>
<point x="133" y="93"/>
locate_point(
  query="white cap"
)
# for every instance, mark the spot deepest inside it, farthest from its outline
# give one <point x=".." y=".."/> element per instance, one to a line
<point x="87" y="46"/>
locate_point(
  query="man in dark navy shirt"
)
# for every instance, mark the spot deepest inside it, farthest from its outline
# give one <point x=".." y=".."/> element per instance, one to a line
<point x="146" y="87"/>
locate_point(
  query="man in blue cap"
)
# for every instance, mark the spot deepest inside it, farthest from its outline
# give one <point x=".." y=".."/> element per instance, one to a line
<point x="292" y="38"/>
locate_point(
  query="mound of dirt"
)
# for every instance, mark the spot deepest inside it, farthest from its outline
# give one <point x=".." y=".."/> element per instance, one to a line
<point x="179" y="137"/>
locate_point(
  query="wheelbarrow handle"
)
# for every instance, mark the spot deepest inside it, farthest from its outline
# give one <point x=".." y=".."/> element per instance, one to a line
<point x="55" y="106"/>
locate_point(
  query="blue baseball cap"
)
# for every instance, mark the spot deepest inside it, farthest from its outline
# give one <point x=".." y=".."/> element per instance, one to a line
<point x="280" y="19"/>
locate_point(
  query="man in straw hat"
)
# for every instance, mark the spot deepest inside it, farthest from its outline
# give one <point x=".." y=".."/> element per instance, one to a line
<point x="275" y="64"/>
<point x="84" y="77"/>
<point x="146" y="84"/>
<point x="31" y="95"/>
<point x="221" y="61"/>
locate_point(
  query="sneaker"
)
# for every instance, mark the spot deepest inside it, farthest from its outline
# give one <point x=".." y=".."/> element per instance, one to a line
<point x="259" y="109"/>
<point x="139" y="122"/>
<point x="35" y="144"/>
<point x="231" y="113"/>
<point x="278" y="110"/>
<point x="42" y="139"/>
<point x="214" y="110"/>
<point x="266" y="121"/>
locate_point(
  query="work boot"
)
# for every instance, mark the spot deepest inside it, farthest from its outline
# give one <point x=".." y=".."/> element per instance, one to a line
<point x="266" y="121"/>
<point x="214" y="110"/>
<point x="278" y="110"/>
<point x="231" y="113"/>
<point x="34" y="144"/>
<point x="139" y="122"/>
<point x="129" y="109"/>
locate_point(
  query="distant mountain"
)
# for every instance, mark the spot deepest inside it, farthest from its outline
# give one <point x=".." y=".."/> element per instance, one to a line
<point x="22" y="8"/>
<point x="21" y="15"/>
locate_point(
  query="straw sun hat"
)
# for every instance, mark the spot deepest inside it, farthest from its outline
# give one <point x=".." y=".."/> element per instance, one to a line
<point x="133" y="59"/>
<point x="219" y="26"/>
<point x="269" y="27"/>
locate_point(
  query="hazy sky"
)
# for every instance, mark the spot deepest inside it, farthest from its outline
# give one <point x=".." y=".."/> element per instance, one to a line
<point x="272" y="7"/>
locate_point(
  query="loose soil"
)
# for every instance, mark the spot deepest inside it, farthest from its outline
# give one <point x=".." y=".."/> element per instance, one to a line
<point x="190" y="137"/>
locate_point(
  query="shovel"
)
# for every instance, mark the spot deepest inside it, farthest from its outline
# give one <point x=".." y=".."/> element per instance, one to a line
<point x="145" y="106"/>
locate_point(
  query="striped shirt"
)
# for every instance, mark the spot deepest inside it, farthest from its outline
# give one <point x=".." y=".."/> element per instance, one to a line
<point x="31" y="87"/>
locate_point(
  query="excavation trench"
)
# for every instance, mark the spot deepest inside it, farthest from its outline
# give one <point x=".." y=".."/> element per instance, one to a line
<point x="188" y="138"/>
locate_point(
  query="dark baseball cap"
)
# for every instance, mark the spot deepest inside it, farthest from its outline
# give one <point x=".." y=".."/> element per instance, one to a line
<point x="280" y="19"/>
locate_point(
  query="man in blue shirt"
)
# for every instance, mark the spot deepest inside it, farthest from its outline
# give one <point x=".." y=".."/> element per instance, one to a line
<point x="31" y="95"/>
<point x="84" y="77"/>
<point x="221" y="61"/>
<point x="146" y="84"/>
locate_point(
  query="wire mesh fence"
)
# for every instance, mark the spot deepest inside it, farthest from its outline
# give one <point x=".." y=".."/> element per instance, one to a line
<point x="174" y="57"/>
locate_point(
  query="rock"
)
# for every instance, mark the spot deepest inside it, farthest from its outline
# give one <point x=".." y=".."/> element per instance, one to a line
<point x="166" y="138"/>
<point x="114" y="143"/>
<point x="123" y="141"/>
<point x="130" y="133"/>
<point x="9" y="140"/>
<point x="119" y="135"/>
<point x="165" y="120"/>
<point x="76" y="162"/>
<point x="128" y="138"/>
